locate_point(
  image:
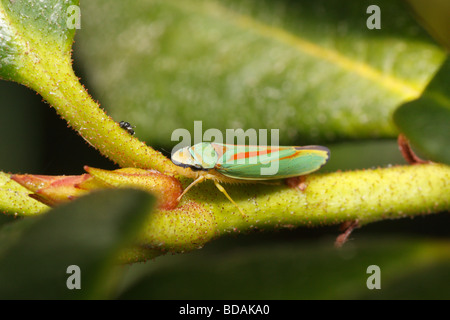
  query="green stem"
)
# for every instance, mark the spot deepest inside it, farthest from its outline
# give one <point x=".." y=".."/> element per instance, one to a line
<point x="15" y="199"/>
<point x="52" y="76"/>
<point x="333" y="198"/>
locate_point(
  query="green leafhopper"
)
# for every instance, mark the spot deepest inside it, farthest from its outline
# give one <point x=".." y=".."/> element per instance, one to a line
<point x="237" y="163"/>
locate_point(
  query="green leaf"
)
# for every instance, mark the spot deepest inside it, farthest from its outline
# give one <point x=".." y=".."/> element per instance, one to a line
<point x="27" y="28"/>
<point x="434" y="16"/>
<point x="10" y="233"/>
<point x="269" y="268"/>
<point x="309" y="68"/>
<point x="426" y="121"/>
<point x="90" y="233"/>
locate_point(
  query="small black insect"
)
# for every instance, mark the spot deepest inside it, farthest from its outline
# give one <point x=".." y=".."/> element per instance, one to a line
<point x="127" y="126"/>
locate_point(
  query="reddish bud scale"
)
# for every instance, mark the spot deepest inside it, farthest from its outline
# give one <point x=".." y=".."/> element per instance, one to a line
<point x="166" y="188"/>
<point x="53" y="190"/>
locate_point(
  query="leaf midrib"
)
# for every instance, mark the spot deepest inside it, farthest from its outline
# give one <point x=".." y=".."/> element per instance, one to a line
<point x="403" y="88"/>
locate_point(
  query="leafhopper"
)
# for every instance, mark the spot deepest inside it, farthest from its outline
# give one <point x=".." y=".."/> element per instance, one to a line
<point x="230" y="163"/>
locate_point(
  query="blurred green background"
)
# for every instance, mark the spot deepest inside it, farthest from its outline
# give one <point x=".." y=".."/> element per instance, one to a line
<point x="163" y="64"/>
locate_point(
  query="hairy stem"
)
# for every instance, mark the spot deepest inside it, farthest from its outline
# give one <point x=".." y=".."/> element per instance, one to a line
<point x="52" y="76"/>
<point x="333" y="198"/>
